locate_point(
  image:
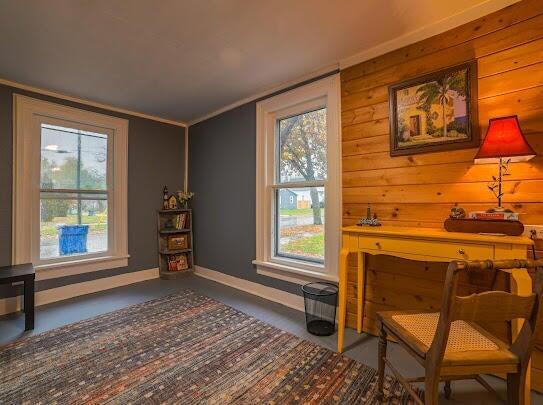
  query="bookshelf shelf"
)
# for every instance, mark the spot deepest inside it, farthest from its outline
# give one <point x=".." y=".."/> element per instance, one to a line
<point x="174" y="252"/>
<point x="174" y="231"/>
<point x="175" y="211"/>
<point x="175" y="249"/>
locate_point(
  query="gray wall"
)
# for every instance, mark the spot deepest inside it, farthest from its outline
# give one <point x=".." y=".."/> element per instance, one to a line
<point x="222" y="173"/>
<point x="155" y="159"/>
<point x="222" y="165"/>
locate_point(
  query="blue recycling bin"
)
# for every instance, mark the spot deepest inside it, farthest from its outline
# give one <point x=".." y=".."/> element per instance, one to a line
<point x="72" y="239"/>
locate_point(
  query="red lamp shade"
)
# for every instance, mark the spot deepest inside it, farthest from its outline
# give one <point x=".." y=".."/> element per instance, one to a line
<point x="505" y="140"/>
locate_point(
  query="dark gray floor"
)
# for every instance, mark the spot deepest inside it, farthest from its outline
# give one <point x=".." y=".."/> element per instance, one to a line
<point x="359" y="347"/>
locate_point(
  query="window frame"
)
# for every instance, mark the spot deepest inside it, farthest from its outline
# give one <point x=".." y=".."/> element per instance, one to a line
<point x="36" y="254"/>
<point x="277" y="184"/>
<point x="29" y="114"/>
<point x="321" y="93"/>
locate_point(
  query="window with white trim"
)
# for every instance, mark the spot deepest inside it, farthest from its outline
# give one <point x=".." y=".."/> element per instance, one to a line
<point x="298" y="155"/>
<point x="70" y="175"/>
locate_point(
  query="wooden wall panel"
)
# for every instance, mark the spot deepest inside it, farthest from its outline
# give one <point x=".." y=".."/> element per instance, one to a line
<point x="419" y="190"/>
<point x="465" y="34"/>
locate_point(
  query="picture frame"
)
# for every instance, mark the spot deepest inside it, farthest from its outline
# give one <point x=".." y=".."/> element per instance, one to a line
<point x="435" y="112"/>
<point x="178" y="242"/>
<point x="182" y="262"/>
<point x="178" y="262"/>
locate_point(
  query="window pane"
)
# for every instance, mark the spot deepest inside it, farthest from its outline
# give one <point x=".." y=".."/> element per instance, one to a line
<point x="300" y="225"/>
<point x="73" y="159"/>
<point x="60" y="215"/>
<point x="302" y="149"/>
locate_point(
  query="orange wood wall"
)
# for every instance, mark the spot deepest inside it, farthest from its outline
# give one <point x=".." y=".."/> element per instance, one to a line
<point x="419" y="190"/>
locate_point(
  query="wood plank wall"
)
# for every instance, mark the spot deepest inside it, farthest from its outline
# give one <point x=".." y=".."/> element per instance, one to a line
<point x="419" y="190"/>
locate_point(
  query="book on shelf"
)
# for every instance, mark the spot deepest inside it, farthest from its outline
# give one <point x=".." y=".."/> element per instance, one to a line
<point x="181" y="221"/>
<point x="508" y="216"/>
<point x="178" y="262"/>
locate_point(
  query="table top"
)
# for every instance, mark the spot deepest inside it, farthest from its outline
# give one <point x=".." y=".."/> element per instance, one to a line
<point x="18" y="270"/>
<point x="436" y="233"/>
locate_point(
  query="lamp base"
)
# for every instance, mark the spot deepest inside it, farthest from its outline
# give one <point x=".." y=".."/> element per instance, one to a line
<point x="499" y="209"/>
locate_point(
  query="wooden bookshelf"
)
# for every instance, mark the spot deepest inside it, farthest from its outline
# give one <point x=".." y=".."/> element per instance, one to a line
<point x="174" y="230"/>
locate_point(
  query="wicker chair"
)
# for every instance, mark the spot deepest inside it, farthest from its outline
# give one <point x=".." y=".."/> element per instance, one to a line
<point x="451" y="346"/>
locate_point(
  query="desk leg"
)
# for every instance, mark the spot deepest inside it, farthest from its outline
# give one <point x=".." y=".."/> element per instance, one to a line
<point x="29" y="303"/>
<point x="360" y="290"/>
<point x="342" y="298"/>
<point x="521" y="283"/>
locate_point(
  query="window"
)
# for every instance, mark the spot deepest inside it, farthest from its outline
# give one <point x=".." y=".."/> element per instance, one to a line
<point x="298" y="156"/>
<point x="300" y="141"/>
<point x="73" y="189"/>
<point x="75" y="213"/>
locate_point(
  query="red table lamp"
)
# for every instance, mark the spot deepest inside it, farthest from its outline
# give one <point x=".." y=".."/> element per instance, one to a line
<point x="503" y="143"/>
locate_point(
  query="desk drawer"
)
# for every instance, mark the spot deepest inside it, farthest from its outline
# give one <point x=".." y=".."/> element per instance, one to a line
<point x="436" y="249"/>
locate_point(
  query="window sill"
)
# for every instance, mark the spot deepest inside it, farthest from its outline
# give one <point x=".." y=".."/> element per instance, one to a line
<point x="290" y="273"/>
<point x="84" y="265"/>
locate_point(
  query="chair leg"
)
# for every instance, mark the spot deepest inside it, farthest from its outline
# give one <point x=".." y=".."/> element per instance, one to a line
<point x="516" y="388"/>
<point x="381" y="369"/>
<point x="447" y="389"/>
<point x="431" y="390"/>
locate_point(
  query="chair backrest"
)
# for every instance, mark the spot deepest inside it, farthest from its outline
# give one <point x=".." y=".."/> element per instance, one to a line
<point x="491" y="306"/>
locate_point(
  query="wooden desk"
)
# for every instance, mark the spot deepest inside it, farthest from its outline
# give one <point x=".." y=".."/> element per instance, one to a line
<point x="24" y="273"/>
<point x="424" y="244"/>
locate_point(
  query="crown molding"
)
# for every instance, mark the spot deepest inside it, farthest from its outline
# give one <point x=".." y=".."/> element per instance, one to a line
<point x="83" y="101"/>
<point x="330" y="69"/>
<point x="427" y="31"/>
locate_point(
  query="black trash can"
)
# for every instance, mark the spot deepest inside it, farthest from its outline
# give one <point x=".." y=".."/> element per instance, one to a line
<point x="320" y="308"/>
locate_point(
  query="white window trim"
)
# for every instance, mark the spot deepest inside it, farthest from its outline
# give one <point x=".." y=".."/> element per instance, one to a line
<point x="26" y="187"/>
<point x="326" y="92"/>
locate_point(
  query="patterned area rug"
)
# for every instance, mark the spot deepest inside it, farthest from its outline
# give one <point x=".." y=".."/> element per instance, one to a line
<point x="184" y="348"/>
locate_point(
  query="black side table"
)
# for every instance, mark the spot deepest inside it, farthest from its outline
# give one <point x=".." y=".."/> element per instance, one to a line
<point x="25" y="273"/>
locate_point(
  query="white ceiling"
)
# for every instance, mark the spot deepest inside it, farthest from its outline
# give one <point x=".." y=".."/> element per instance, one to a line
<point x="184" y="59"/>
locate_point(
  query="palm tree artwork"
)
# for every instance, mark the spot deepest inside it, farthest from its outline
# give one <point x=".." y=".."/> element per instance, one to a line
<point x="442" y="91"/>
<point x="433" y="112"/>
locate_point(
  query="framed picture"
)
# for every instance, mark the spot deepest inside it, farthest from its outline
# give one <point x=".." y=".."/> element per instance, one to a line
<point x="178" y="262"/>
<point x="435" y="112"/>
<point x="178" y="242"/>
<point x="182" y="262"/>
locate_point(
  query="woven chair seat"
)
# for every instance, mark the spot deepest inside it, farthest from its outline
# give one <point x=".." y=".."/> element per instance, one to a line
<point x="467" y="343"/>
<point x="462" y="336"/>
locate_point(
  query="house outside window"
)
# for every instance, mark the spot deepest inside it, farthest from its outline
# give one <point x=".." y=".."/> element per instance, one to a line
<point x="73" y="218"/>
<point x="298" y="156"/>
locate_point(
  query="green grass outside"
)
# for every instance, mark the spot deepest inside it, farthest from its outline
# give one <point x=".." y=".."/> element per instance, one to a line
<point x="302" y="212"/>
<point x="97" y="223"/>
<point x="306" y="246"/>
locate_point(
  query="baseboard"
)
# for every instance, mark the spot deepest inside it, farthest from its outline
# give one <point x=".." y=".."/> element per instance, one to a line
<point x="13" y="304"/>
<point x="272" y="294"/>
<point x="9" y="305"/>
